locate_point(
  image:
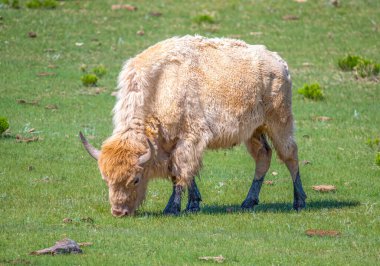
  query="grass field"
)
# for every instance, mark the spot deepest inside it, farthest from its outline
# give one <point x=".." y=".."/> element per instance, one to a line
<point x="45" y="181"/>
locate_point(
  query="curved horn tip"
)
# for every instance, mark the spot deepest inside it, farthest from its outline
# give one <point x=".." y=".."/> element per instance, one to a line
<point x="148" y="155"/>
<point x="95" y="153"/>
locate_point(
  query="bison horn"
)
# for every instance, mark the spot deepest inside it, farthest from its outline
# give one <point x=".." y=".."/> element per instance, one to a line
<point x="95" y="153"/>
<point x="147" y="156"/>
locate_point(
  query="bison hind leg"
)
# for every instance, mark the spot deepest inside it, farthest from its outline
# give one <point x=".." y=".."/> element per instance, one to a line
<point x="283" y="141"/>
<point x="261" y="152"/>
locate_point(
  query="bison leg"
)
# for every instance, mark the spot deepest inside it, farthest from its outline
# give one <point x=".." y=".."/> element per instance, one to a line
<point x="194" y="197"/>
<point x="185" y="163"/>
<point x="261" y="152"/>
<point x="174" y="205"/>
<point x="299" y="194"/>
<point x="286" y="147"/>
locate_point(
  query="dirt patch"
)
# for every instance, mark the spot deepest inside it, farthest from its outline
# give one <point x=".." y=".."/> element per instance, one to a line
<point x="124" y="6"/>
<point x="46" y="74"/>
<point x="324" y="188"/>
<point x="319" y="232"/>
<point x="322" y="118"/>
<point x="290" y="17"/>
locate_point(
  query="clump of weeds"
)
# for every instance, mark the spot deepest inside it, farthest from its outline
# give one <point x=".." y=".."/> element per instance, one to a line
<point x="99" y="70"/>
<point x="47" y="4"/>
<point x="374" y="144"/>
<point x="312" y="91"/>
<point x="90" y="79"/>
<point x="11" y="3"/>
<point x="362" y="67"/>
<point x="4" y="125"/>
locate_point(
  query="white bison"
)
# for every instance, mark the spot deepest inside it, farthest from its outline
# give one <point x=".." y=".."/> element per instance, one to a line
<point x="187" y="94"/>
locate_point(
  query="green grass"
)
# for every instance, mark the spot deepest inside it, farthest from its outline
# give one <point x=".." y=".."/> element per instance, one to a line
<point x="43" y="182"/>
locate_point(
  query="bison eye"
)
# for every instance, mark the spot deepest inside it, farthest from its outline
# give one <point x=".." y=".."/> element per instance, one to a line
<point x="136" y="180"/>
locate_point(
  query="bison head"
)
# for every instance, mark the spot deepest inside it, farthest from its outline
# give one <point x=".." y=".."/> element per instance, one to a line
<point x="121" y="163"/>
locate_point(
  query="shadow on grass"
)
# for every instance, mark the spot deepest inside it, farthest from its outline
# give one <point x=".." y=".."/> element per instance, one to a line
<point x="278" y="207"/>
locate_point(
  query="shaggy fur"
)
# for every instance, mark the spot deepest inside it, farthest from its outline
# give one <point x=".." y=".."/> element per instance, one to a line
<point x="192" y="93"/>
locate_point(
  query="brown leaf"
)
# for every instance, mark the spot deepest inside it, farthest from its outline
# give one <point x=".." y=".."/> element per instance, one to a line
<point x="22" y="101"/>
<point x="124" y="6"/>
<point x="319" y="232"/>
<point x="324" y="188"/>
<point x="20" y="138"/>
<point x="52" y="66"/>
<point x="140" y="32"/>
<point x="218" y="259"/>
<point x="65" y="246"/>
<point x="290" y="17"/>
<point x="31" y="130"/>
<point x="32" y="34"/>
<point x="51" y="107"/>
<point x="268" y="182"/>
<point x="45" y="74"/>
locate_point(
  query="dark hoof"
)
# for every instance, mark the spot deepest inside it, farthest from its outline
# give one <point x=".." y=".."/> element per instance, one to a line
<point x="172" y="210"/>
<point x="249" y="203"/>
<point x="298" y="205"/>
<point x="193" y="206"/>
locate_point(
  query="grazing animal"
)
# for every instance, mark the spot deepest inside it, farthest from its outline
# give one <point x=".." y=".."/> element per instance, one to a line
<point x="187" y="94"/>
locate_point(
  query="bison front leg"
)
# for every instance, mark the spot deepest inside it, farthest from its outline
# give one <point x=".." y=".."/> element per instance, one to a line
<point x="185" y="163"/>
<point x="174" y="205"/>
<point x="194" y="198"/>
<point x="261" y="152"/>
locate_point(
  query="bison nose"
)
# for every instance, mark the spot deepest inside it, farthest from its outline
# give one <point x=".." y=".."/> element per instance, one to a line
<point x="119" y="213"/>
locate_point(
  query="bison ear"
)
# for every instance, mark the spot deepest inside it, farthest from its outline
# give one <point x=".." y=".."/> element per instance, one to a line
<point x="143" y="159"/>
